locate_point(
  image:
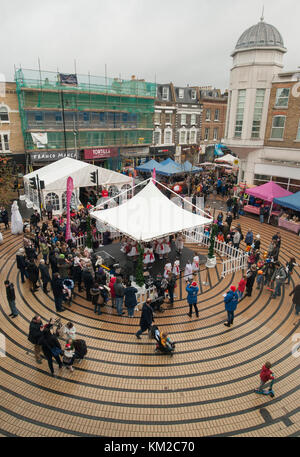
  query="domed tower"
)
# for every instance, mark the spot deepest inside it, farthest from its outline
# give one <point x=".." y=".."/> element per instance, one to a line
<point x="257" y="57"/>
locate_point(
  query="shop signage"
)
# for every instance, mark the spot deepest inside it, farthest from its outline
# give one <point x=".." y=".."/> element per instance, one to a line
<point x="48" y="156"/>
<point x="100" y="153"/>
<point x="164" y="150"/>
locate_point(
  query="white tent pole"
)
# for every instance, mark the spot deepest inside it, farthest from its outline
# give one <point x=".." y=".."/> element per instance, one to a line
<point x="116" y="196"/>
<point x="183" y="198"/>
<point x="270" y="212"/>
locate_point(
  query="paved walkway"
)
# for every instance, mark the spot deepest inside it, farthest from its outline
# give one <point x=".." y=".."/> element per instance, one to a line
<point x="123" y="388"/>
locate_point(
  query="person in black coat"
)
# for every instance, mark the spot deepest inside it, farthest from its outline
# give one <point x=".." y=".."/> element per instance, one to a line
<point x="11" y="298"/>
<point x="229" y="219"/>
<point x="106" y="238"/>
<point x="35" y="334"/>
<point x="146" y="318"/>
<point x="53" y="262"/>
<point x="88" y="282"/>
<point x="4" y="217"/>
<point x="33" y="274"/>
<point x="296" y="298"/>
<point x="45" y="276"/>
<point x="51" y="348"/>
<point x="57" y="287"/>
<point x="251" y="275"/>
<point x="160" y="294"/>
<point x="22" y="264"/>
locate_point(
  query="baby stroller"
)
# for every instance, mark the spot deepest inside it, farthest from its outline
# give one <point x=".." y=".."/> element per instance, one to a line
<point x="169" y="348"/>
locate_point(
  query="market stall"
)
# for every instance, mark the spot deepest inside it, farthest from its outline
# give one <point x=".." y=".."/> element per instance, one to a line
<point x="290" y="220"/>
<point x="266" y="193"/>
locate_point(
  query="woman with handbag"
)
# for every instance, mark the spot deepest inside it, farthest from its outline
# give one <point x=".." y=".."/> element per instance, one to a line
<point x="51" y="348"/>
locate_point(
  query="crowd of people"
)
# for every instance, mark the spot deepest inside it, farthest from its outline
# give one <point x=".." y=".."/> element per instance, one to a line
<point x="47" y="259"/>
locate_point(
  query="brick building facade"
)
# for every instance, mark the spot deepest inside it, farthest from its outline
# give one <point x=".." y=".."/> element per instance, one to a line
<point x="11" y="138"/>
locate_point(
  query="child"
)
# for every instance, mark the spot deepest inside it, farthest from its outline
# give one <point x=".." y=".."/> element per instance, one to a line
<point x="70" y="331"/>
<point x="68" y="357"/>
<point x="195" y="264"/>
<point x="266" y="375"/>
<point x="241" y="287"/>
<point x="166" y="342"/>
<point x="176" y="268"/>
<point x="259" y="279"/>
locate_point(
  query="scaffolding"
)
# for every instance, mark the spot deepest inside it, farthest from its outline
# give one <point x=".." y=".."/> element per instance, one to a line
<point x="102" y="111"/>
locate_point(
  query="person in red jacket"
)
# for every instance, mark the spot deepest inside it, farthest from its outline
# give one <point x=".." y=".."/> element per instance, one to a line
<point x="266" y="375"/>
<point x="112" y="291"/>
<point x="241" y="287"/>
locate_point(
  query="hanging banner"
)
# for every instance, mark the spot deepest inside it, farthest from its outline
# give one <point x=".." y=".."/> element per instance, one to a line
<point x="68" y="80"/>
<point x="70" y="187"/>
<point x="154" y="176"/>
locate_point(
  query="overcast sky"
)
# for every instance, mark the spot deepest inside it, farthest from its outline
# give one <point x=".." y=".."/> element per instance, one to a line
<point x="183" y="41"/>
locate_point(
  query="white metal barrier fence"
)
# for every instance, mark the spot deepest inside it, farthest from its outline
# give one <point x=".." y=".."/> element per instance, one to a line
<point x="81" y="240"/>
<point x="236" y="258"/>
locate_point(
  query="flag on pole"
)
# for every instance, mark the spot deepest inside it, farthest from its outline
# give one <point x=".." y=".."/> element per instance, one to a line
<point x="154" y="175"/>
<point x="70" y="187"/>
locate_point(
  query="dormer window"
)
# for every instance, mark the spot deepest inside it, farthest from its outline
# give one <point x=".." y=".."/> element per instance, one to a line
<point x="181" y="93"/>
<point x="165" y="93"/>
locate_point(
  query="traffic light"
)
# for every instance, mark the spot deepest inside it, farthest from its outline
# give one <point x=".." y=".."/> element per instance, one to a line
<point x="42" y="185"/>
<point x="93" y="177"/>
<point x="32" y="183"/>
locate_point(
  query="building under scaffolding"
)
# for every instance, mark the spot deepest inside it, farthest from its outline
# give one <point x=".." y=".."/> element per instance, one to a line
<point x="83" y="116"/>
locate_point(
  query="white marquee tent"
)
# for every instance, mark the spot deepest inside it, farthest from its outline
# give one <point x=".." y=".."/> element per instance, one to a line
<point x="228" y="158"/>
<point x="149" y="215"/>
<point x="56" y="175"/>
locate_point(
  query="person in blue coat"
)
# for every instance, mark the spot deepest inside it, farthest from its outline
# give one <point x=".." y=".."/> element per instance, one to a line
<point x="231" y="300"/>
<point x="192" y="290"/>
<point x="130" y="298"/>
<point x="249" y="238"/>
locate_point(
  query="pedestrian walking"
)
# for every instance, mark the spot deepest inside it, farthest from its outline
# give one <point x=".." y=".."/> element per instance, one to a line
<point x="119" y="294"/>
<point x="296" y="298"/>
<point x="146" y="318"/>
<point x="22" y="264"/>
<point x="11" y="298"/>
<point x="266" y="375"/>
<point x="45" y="276"/>
<point x="58" y="292"/>
<point x="35" y="333"/>
<point x="192" y="290"/>
<point x="171" y="280"/>
<point x="279" y="277"/>
<point x="49" y="210"/>
<point x="33" y="275"/>
<point x="290" y="268"/>
<point x="51" y="348"/>
<point x="231" y="300"/>
<point x="130" y="299"/>
<point x="95" y="294"/>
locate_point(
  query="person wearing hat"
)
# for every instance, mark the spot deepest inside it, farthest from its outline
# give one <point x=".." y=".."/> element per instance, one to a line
<point x="231" y="300"/>
<point x="22" y="264"/>
<point x="192" y="290"/>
